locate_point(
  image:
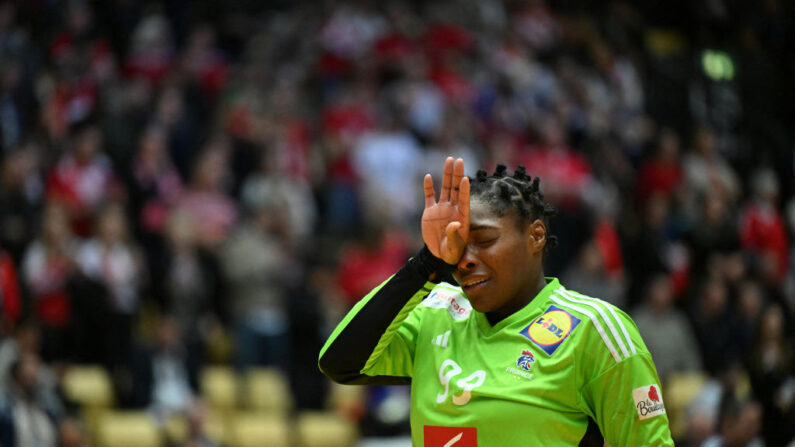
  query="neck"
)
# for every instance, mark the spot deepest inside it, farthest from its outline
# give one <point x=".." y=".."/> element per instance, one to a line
<point x="525" y="297"/>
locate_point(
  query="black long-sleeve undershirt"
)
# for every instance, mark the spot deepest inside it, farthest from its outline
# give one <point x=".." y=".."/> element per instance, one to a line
<point x="347" y="354"/>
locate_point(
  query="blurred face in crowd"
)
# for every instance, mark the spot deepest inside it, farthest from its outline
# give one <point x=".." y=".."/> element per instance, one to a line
<point x="502" y="260"/>
<point x="181" y="231"/>
<point x="28" y="338"/>
<point x="669" y="146"/>
<point x="772" y="324"/>
<point x="750" y="300"/>
<point x="714" y="298"/>
<point x="27" y="372"/>
<point x="704" y="142"/>
<point x="170" y="105"/>
<point x="153" y="147"/>
<point x="71" y="434"/>
<point x="55" y="226"/>
<point x="740" y="429"/>
<point x="168" y="333"/>
<point x="656" y="211"/>
<point x="591" y="258"/>
<point x="112" y="224"/>
<point x="715" y="208"/>
<point x="210" y="170"/>
<point x="17" y="167"/>
<point x="87" y="144"/>
<point x="660" y="293"/>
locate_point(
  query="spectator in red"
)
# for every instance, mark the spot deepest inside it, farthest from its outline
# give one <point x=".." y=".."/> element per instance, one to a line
<point x="566" y="172"/>
<point x="762" y="228"/>
<point x="206" y="201"/>
<point x="367" y="264"/>
<point x="151" y="54"/>
<point x="155" y="185"/>
<point x="203" y="61"/>
<point x="83" y="178"/>
<point x="80" y="45"/>
<point x="662" y="173"/>
<point x="10" y="301"/>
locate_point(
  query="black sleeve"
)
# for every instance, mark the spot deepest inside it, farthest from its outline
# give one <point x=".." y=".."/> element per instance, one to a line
<point x="346" y="355"/>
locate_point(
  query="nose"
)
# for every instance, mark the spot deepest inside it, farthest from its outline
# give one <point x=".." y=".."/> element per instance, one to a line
<point x="468" y="261"/>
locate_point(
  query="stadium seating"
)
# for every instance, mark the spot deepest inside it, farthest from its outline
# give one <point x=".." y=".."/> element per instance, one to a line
<point x="267" y="389"/>
<point x="318" y="429"/>
<point x="680" y="390"/>
<point x="219" y="386"/>
<point x="258" y="429"/>
<point x="90" y="387"/>
<point x="127" y="429"/>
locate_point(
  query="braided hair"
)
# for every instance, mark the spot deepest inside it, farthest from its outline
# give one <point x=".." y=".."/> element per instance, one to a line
<point x="520" y="191"/>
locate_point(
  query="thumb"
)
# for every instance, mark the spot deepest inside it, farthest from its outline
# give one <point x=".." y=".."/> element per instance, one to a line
<point x="451" y="231"/>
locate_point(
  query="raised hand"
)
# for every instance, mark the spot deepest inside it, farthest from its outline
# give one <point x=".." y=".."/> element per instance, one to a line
<point x="445" y="224"/>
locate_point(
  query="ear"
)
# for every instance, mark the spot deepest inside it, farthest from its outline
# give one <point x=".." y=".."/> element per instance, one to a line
<point x="536" y="236"/>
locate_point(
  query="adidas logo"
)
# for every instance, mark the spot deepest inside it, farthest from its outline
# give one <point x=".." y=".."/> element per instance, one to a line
<point x="441" y="339"/>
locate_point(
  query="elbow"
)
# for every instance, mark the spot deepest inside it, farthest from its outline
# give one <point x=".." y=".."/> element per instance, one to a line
<point x="337" y="371"/>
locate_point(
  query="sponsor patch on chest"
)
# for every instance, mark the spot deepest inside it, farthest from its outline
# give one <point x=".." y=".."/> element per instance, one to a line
<point x="550" y="329"/>
<point x="450" y="436"/>
<point x="648" y="401"/>
<point x="456" y="304"/>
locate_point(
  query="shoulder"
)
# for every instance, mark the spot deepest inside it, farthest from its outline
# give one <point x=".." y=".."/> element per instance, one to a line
<point x="449" y="297"/>
<point x="606" y="329"/>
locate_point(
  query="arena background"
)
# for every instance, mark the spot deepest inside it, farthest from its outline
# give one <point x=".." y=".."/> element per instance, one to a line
<point x="193" y="193"/>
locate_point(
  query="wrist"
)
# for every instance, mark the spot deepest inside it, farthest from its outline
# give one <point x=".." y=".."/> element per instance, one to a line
<point x="429" y="266"/>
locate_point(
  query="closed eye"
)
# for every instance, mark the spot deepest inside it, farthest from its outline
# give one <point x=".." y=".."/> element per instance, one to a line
<point x="486" y="242"/>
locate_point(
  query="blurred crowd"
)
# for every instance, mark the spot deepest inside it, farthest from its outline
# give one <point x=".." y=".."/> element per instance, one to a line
<point x="185" y="184"/>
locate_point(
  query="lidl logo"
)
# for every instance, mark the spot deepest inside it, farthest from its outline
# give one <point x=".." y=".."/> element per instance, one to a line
<point x="550" y="329"/>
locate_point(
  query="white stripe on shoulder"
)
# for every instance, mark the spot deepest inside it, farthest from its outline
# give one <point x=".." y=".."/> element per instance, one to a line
<point x="595" y="322"/>
<point x="613" y="312"/>
<point x="592" y="304"/>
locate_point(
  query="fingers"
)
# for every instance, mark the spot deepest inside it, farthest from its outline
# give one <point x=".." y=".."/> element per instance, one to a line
<point x="458" y="173"/>
<point x="429" y="192"/>
<point x="447" y="180"/>
<point x="454" y="245"/>
<point x="463" y="200"/>
<point x="451" y="231"/>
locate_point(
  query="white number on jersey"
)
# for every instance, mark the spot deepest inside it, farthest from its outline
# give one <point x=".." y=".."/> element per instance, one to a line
<point x="451" y="369"/>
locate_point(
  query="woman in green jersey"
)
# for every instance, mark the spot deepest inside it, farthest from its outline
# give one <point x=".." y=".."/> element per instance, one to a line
<point x="498" y="354"/>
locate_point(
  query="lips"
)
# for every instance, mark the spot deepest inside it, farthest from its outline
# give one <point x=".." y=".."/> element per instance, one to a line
<point x="471" y="283"/>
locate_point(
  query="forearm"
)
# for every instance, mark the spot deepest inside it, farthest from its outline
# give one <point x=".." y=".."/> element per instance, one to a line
<point x="373" y="321"/>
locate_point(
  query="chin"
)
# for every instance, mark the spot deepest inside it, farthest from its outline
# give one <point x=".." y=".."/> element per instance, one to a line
<point x="481" y="305"/>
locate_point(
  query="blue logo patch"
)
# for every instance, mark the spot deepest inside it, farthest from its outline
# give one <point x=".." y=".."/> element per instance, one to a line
<point x="550" y="329"/>
<point x="526" y="360"/>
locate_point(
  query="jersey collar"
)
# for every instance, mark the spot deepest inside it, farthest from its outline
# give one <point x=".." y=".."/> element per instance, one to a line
<point x="522" y="314"/>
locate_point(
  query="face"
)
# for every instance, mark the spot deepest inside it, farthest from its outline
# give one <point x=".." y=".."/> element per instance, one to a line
<point x="500" y="269"/>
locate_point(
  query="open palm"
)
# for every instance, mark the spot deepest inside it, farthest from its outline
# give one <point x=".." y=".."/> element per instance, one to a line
<point x="445" y="224"/>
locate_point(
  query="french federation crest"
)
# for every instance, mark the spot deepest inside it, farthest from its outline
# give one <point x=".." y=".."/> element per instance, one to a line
<point x="526" y="360"/>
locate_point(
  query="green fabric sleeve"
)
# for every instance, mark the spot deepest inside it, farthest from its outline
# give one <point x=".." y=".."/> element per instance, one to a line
<point x="613" y="398"/>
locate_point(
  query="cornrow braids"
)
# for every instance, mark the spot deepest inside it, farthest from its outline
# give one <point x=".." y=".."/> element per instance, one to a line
<point x="520" y="191"/>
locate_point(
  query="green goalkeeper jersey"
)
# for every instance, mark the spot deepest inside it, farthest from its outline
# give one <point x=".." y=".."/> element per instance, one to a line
<point x="532" y="379"/>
